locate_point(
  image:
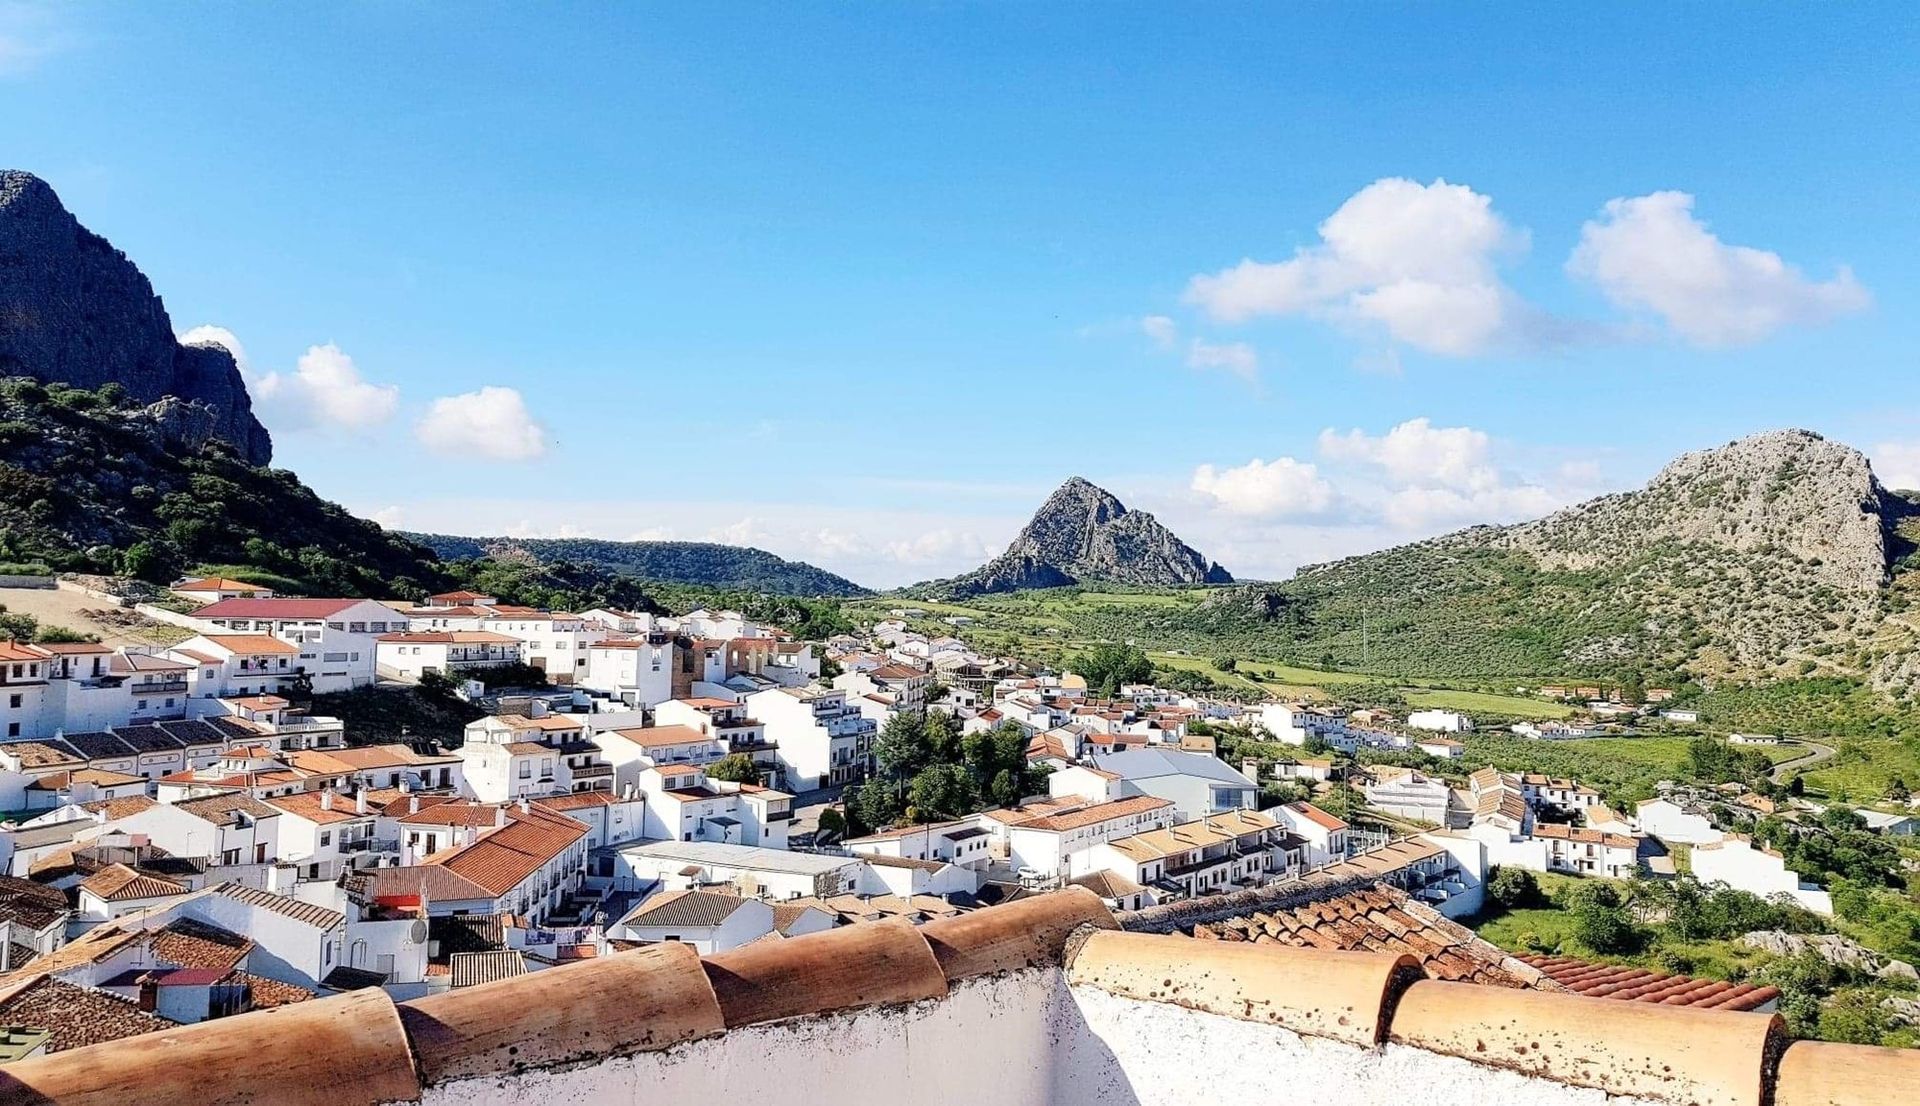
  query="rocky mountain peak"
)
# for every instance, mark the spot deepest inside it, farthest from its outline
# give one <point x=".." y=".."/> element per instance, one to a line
<point x="1790" y="494"/>
<point x="75" y="310"/>
<point x="1083" y="532"/>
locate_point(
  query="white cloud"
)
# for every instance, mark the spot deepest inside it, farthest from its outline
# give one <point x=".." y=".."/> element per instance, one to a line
<point x="1418" y="260"/>
<point x="1415" y="480"/>
<point x="389" y="517"/>
<point x="493" y="422"/>
<point x="1897" y="464"/>
<point x="1280" y="487"/>
<point x="325" y="392"/>
<point x="1237" y="358"/>
<point x="1418" y="453"/>
<point x="1163" y="330"/>
<point x="219" y="336"/>
<point x="1650" y="253"/>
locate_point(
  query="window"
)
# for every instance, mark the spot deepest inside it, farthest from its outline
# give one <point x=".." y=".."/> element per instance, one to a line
<point x="526" y="769"/>
<point x="13" y="700"/>
<point x="326" y="837"/>
<point x="357" y="627"/>
<point x="13" y="729"/>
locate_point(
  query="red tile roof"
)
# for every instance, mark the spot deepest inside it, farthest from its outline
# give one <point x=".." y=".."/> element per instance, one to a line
<point x="274" y="608"/>
<point x="501" y="860"/>
<point x="1317" y="816"/>
<point x="1643" y="985"/>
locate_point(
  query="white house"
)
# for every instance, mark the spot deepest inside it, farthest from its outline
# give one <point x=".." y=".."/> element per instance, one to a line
<point x="212" y="589"/>
<point x="1293" y="723"/>
<point x="1439" y="721"/>
<point x="710" y="921"/>
<point x="1045" y="846"/>
<point x="554" y="642"/>
<point x="961" y="843"/>
<point x="230" y="665"/>
<point x="335" y="637"/>
<point x="1325" y="835"/>
<point x="1733" y="860"/>
<point x="1407" y="793"/>
<point x="411" y="654"/>
<point x="1665" y="819"/>
<point x="1218" y="853"/>
<point x="1197" y="784"/>
<point x="763" y="873"/>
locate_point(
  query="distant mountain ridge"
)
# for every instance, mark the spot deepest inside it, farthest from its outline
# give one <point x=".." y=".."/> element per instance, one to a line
<point x="1084" y="533"/>
<point x="680" y="562"/>
<point x="75" y="310"/>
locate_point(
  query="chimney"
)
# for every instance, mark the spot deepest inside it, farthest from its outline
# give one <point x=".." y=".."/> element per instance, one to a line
<point x="500" y="815"/>
<point x="1251" y="767"/>
<point x="523" y="804"/>
<point x="149" y="992"/>
<point x="413" y="804"/>
<point x="406" y="786"/>
<point x="360" y="801"/>
<point x="326" y="799"/>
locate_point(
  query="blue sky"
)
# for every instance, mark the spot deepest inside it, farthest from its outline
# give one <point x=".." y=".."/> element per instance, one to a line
<point x="860" y="283"/>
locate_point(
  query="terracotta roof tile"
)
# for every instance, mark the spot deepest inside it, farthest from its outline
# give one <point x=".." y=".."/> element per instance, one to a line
<point x="77" y="1016"/>
<point x="1644" y="985"/>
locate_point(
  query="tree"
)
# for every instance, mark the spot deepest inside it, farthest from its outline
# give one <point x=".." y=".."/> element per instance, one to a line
<point x="940" y="792"/>
<point x="1513" y="888"/>
<point x="902" y="747"/>
<point x="873" y="805"/>
<point x="144" y="560"/>
<point x="1225" y="664"/>
<point x="833" y="824"/>
<point x="734" y="768"/>
<point x="1107" y="666"/>
<point x="1600" y="919"/>
<point x="1897" y="790"/>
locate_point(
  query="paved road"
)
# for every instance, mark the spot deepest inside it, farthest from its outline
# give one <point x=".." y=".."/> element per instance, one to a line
<point x="1816" y="753"/>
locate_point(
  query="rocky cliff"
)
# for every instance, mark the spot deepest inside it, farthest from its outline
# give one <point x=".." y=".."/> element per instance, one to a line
<point x="1776" y="555"/>
<point x="1084" y="533"/>
<point x="75" y="310"/>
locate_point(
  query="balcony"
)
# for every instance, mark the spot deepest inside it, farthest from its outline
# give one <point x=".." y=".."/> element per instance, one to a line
<point x="591" y="771"/>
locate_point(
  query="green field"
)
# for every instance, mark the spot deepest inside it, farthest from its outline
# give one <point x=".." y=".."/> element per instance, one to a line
<point x="1483" y="702"/>
<point x="1864" y="767"/>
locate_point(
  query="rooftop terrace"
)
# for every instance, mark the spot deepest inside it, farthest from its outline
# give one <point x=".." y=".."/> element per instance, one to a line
<point x="1043" y="1000"/>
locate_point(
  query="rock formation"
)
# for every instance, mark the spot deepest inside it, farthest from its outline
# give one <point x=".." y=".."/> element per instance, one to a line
<point x="75" y="310"/>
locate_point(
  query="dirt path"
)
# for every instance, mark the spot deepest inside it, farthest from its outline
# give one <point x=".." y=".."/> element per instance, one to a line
<point x="88" y="615"/>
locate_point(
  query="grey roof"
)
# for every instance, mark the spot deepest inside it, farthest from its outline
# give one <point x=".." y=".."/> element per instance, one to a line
<point x="689" y="909"/>
<point x="149" y="739"/>
<point x="1141" y="764"/>
<point x="98" y="746"/>
<point x="194" y="732"/>
<point x="743" y="856"/>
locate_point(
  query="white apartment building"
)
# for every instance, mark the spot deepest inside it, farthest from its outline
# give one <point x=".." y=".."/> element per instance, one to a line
<point x="510" y="756"/>
<point x="636" y="672"/>
<point x="1293" y="723"/>
<point x="555" y="643"/>
<point x="1219" y="853"/>
<point x="726" y="721"/>
<point x="336" y="637"/>
<point x="1439" y="721"/>
<point x="822" y="740"/>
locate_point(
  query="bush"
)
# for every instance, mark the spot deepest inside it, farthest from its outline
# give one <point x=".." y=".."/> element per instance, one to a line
<point x="1513" y="888"/>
